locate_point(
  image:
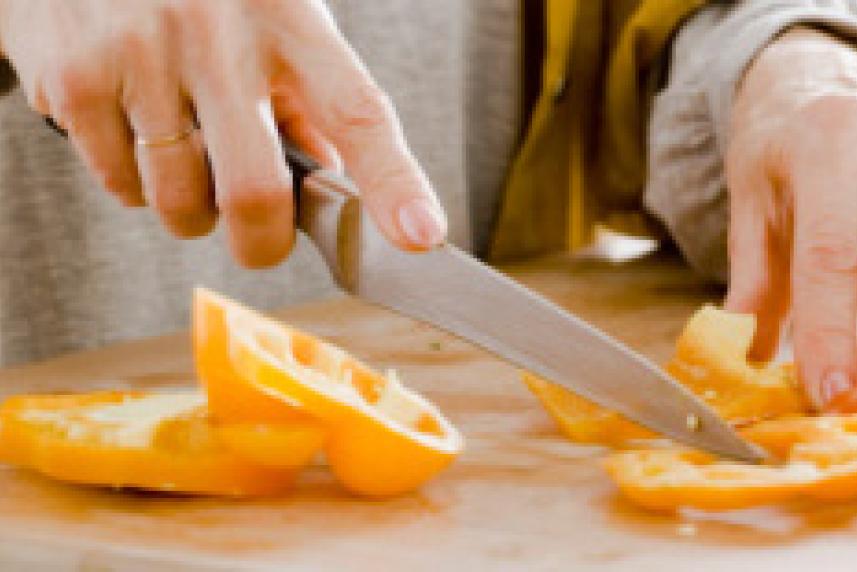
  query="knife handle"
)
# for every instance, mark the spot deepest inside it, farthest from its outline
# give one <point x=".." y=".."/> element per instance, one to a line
<point x="327" y="209"/>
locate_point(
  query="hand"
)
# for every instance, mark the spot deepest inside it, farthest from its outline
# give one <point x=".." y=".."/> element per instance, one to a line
<point x="111" y="72"/>
<point x="792" y="178"/>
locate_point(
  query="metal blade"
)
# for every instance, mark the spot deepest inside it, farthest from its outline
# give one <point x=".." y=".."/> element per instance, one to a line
<point x="451" y="290"/>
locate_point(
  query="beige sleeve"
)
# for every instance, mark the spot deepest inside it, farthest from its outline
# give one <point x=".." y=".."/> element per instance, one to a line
<point x="689" y="123"/>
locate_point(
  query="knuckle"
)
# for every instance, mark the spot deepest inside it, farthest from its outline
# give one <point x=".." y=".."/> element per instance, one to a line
<point x="134" y="44"/>
<point x="256" y="204"/>
<point x="199" y="28"/>
<point x="139" y="51"/>
<point x="829" y="251"/>
<point x="195" y="20"/>
<point x="821" y="122"/>
<point x="189" y="224"/>
<point x="395" y="177"/>
<point x="116" y="182"/>
<point x="183" y="203"/>
<point x="179" y="203"/>
<point x="265" y="255"/>
<point x="74" y="88"/>
<point x="363" y="107"/>
<point x="189" y="10"/>
<point x="813" y="339"/>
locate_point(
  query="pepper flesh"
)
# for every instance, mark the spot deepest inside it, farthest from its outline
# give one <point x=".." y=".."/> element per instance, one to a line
<point x="383" y="438"/>
<point x="710" y="360"/>
<point x="816" y="458"/>
<point x="153" y="441"/>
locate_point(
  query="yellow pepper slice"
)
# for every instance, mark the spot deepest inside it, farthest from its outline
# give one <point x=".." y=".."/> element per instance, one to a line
<point x="154" y="441"/>
<point x="711" y="360"/>
<point x="383" y="439"/>
<point x="581" y="420"/>
<point x="815" y="458"/>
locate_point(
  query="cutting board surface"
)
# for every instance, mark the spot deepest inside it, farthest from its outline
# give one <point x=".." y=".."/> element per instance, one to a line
<point x="519" y="498"/>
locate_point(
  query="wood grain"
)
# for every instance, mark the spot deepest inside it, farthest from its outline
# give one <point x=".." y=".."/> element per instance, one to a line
<point x="520" y="498"/>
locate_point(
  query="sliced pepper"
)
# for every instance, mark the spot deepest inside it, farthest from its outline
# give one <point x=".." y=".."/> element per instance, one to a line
<point x="711" y="360"/>
<point x="581" y="420"/>
<point x="274" y="444"/>
<point x="383" y="439"/>
<point x="814" y="458"/>
<point x="153" y="441"/>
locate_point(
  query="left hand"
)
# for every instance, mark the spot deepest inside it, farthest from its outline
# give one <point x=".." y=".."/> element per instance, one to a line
<point x="792" y="176"/>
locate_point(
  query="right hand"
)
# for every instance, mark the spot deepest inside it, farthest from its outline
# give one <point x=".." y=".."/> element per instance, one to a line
<point x="793" y="208"/>
<point x="109" y="71"/>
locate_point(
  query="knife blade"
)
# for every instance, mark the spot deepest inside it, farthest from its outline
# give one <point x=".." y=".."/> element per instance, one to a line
<point x="451" y="290"/>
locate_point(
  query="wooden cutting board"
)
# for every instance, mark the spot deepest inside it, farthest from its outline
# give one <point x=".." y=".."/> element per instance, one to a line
<point x="520" y="497"/>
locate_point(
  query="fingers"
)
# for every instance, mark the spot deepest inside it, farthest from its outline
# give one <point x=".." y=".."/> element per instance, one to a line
<point x="253" y="183"/>
<point x="825" y="271"/>
<point x="396" y="191"/>
<point x="759" y="264"/>
<point x="175" y="176"/>
<point x="350" y="111"/>
<point x="824" y="309"/>
<point x="86" y="107"/>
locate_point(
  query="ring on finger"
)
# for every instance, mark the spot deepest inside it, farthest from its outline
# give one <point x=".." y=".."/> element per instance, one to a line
<point x="165" y="140"/>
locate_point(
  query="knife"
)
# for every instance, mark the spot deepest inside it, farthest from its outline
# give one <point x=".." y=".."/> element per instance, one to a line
<point x="451" y="290"/>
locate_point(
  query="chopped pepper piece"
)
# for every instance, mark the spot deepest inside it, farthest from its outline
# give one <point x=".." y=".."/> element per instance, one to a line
<point x="711" y="361"/>
<point x="815" y="458"/>
<point x="383" y="438"/>
<point x="581" y="420"/>
<point x="153" y="441"/>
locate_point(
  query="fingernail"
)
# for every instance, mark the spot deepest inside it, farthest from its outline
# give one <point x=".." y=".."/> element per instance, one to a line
<point x="421" y="222"/>
<point x="834" y="384"/>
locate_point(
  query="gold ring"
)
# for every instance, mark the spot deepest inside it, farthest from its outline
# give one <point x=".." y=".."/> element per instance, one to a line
<point x="166" y="140"/>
